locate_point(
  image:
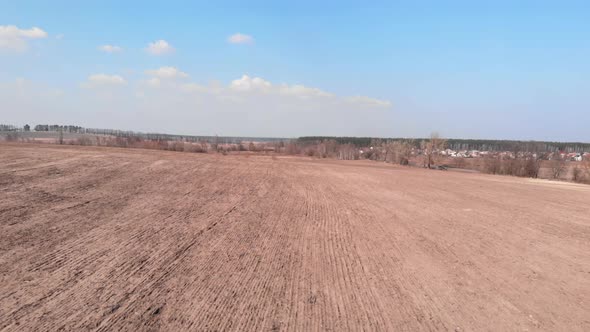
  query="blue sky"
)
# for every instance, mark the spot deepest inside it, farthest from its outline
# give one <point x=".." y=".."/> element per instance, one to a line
<point x="501" y="69"/>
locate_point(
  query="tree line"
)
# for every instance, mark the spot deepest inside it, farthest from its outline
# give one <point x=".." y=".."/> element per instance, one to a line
<point x="517" y="158"/>
<point x="461" y="144"/>
<point x="135" y="134"/>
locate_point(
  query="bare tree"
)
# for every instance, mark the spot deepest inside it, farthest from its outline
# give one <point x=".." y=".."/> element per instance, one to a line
<point x="327" y="148"/>
<point x="433" y="147"/>
<point x="557" y="165"/>
<point x="348" y="152"/>
<point x="389" y="148"/>
<point x="492" y="164"/>
<point x="398" y="152"/>
<point x="513" y="162"/>
<point x="581" y="173"/>
<point x="215" y="144"/>
<point x="423" y="149"/>
<point x="577" y="174"/>
<point x="532" y="166"/>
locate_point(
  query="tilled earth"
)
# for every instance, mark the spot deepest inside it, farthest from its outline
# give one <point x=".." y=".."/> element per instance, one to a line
<point x="120" y="239"/>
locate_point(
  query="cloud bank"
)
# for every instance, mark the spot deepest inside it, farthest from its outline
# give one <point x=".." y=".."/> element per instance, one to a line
<point x="159" y="47"/>
<point x="166" y="100"/>
<point x="14" y="39"/>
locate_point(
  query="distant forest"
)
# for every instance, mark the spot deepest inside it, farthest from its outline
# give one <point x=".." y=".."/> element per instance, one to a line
<point x="461" y="144"/>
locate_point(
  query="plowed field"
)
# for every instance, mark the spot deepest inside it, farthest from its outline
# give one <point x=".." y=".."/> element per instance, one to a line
<point x="119" y="239"/>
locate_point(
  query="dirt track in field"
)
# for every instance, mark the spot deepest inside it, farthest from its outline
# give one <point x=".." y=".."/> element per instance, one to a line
<point x="120" y="239"/>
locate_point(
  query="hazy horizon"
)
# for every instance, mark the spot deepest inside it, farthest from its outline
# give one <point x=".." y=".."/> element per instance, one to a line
<point x="472" y="71"/>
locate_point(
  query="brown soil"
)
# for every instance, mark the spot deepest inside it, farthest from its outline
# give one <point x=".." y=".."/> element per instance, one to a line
<point x="119" y="239"/>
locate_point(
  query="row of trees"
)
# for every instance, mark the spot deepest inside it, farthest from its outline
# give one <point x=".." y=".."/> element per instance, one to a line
<point x="132" y="134"/>
<point x="523" y="167"/>
<point x="529" y="165"/>
<point x="391" y="151"/>
<point x="358" y="142"/>
<point x="466" y="144"/>
<point x="8" y="128"/>
<point x="62" y="128"/>
<point x="523" y="160"/>
<point x="202" y="146"/>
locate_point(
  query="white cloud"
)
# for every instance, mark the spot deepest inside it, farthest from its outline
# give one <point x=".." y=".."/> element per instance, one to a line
<point x="110" y="48"/>
<point x="98" y="80"/>
<point x="367" y="101"/>
<point x="11" y="30"/>
<point x="15" y="39"/>
<point x="240" y="38"/>
<point x="302" y="91"/>
<point x="257" y="84"/>
<point x="167" y="73"/>
<point x="160" y="47"/>
<point x="246" y="83"/>
<point x="256" y="88"/>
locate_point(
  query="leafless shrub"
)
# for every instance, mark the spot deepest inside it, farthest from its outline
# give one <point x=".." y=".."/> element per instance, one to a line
<point x="84" y="141"/>
<point x="12" y="136"/>
<point x="512" y="166"/>
<point x="194" y="147"/>
<point x="309" y="151"/>
<point x="402" y="152"/>
<point x="252" y="147"/>
<point x="204" y="146"/>
<point x="492" y="165"/>
<point x="557" y="166"/>
<point x="459" y="162"/>
<point x="113" y="142"/>
<point x="292" y="149"/>
<point x="176" y="146"/>
<point x="577" y="174"/>
<point x="189" y="147"/>
<point x="531" y="167"/>
<point x="581" y="173"/>
<point x="371" y="154"/>
<point x="397" y="152"/>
